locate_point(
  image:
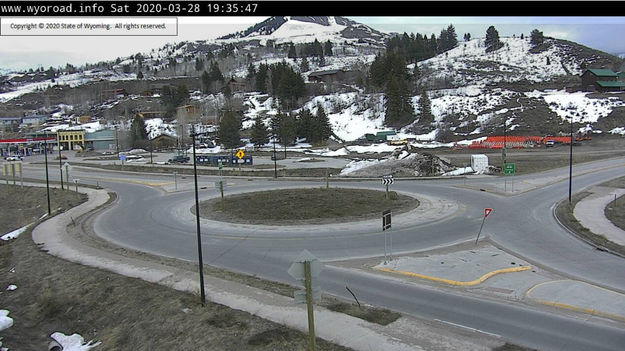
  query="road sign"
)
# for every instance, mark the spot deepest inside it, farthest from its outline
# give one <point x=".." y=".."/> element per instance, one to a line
<point x="387" y="179"/>
<point x="240" y="154"/>
<point x="509" y="168"/>
<point x="122" y="157"/>
<point x="487" y="211"/>
<point x="221" y="164"/>
<point x="297" y="268"/>
<point x="386" y="220"/>
<point x="66" y="165"/>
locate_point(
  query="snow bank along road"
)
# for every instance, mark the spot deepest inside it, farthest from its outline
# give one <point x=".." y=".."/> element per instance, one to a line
<point x="156" y="221"/>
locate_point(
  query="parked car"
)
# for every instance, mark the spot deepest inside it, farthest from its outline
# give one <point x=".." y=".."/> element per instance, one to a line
<point x="550" y="143"/>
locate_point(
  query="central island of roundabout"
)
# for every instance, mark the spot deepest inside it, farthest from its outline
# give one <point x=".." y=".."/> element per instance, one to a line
<point x="306" y="206"/>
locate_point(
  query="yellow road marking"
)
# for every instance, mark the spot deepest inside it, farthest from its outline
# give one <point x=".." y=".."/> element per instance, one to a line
<point x="455" y="282"/>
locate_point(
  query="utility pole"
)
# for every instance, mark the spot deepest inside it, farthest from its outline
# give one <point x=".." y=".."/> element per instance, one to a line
<point x="275" y="164"/>
<point x="197" y="221"/>
<point x="58" y="144"/>
<point x="571" y="162"/>
<point x="45" y="143"/>
<point x="116" y="140"/>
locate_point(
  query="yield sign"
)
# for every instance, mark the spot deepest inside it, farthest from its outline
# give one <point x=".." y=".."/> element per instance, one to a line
<point x="487" y="211"/>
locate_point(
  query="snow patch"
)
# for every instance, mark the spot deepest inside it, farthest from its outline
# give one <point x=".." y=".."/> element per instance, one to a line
<point x="74" y="342"/>
<point x="14" y="234"/>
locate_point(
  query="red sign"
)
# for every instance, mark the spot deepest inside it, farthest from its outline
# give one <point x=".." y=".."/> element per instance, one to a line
<point x="487" y="211"/>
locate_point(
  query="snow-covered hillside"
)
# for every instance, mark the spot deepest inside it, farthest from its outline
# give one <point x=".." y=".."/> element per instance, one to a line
<point x="469" y="64"/>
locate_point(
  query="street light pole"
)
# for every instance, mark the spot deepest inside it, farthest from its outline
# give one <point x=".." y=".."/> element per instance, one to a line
<point x="45" y="143"/>
<point x="571" y="162"/>
<point x="197" y="219"/>
<point x="275" y="164"/>
<point x="58" y="144"/>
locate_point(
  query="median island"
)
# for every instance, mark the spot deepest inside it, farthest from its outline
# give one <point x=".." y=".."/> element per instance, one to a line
<point x="306" y="206"/>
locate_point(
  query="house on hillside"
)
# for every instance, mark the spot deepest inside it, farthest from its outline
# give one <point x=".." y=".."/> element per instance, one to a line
<point x="109" y="94"/>
<point x="188" y="113"/>
<point x="237" y="85"/>
<point x="151" y="114"/>
<point x="333" y="76"/>
<point x="600" y="79"/>
<point x="34" y="120"/>
<point x="7" y="121"/>
<point x="164" y="141"/>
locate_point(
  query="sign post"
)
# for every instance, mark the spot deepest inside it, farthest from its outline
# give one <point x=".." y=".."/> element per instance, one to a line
<point x="386" y="224"/>
<point x="509" y="168"/>
<point x="306" y="267"/>
<point x="487" y="211"/>
<point x="240" y="155"/>
<point x="387" y="180"/>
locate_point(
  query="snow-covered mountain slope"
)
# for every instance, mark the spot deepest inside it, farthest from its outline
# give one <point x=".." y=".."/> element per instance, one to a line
<point x="284" y="29"/>
<point x="470" y="64"/>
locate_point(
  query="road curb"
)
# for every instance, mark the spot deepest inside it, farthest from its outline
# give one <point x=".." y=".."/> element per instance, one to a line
<point x="576" y="235"/>
<point x="570" y="307"/>
<point x="456" y="282"/>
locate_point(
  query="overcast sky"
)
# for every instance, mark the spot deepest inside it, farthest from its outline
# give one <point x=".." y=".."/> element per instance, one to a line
<point x="603" y="33"/>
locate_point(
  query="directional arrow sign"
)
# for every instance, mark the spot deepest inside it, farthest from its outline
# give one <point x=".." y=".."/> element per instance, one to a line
<point x="297" y="268"/>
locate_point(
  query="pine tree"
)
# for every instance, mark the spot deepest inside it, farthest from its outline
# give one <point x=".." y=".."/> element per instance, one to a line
<point x="327" y="48"/>
<point x="322" y="129"/>
<point x="284" y="127"/>
<point x="536" y="37"/>
<point x="261" y="78"/>
<point x="215" y="73"/>
<point x="492" y="40"/>
<point x="199" y="64"/>
<point x="229" y="127"/>
<point x="259" y="135"/>
<point x="251" y="71"/>
<point x="292" y="53"/>
<point x="304" y="66"/>
<point x="425" y="109"/>
<point x="305" y="125"/>
<point x="138" y="133"/>
<point x="206" y="83"/>
<point x="399" y="110"/>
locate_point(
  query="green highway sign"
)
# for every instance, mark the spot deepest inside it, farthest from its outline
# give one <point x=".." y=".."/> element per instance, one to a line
<point x="509" y="168"/>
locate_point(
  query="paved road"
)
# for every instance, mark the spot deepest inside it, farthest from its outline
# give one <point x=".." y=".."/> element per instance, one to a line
<point x="152" y="220"/>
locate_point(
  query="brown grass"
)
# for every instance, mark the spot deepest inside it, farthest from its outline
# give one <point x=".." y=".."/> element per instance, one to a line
<point x="124" y="313"/>
<point x="314" y="205"/>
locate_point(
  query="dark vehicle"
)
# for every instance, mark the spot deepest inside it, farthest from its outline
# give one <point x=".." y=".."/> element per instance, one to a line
<point x="180" y="156"/>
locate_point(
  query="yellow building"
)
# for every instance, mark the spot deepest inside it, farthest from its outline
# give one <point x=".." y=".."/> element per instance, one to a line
<point x="71" y="139"/>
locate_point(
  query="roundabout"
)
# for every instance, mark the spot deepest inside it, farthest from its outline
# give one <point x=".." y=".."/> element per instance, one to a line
<point x="160" y="220"/>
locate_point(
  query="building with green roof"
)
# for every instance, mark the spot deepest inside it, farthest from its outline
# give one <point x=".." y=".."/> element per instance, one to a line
<point x="601" y="79"/>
